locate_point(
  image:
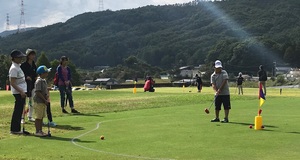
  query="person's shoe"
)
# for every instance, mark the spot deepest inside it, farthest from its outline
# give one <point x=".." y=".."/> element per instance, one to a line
<point x="74" y="111"/>
<point x="41" y="134"/>
<point x="22" y="121"/>
<point x="26" y="132"/>
<point x="64" y="111"/>
<point x="16" y="133"/>
<point x="225" y="120"/>
<point x="52" y="124"/>
<point x="31" y="119"/>
<point x="215" y="120"/>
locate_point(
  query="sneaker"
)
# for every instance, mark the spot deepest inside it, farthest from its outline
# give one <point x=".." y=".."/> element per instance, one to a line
<point x="64" y="111"/>
<point x="52" y="124"/>
<point x="31" y="119"/>
<point x="215" y="120"/>
<point x="22" y="121"/>
<point x="41" y="134"/>
<point x="74" y="111"/>
<point x="225" y="120"/>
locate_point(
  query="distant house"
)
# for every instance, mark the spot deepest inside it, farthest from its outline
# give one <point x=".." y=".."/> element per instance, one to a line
<point x="106" y="81"/>
<point x="188" y="71"/>
<point x="283" y="70"/>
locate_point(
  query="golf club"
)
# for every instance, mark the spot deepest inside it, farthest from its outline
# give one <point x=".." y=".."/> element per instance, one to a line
<point x="23" y="126"/>
<point x="48" y="109"/>
<point x="207" y="110"/>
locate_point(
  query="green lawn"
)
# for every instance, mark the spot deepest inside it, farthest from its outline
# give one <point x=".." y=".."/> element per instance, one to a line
<point x="168" y="124"/>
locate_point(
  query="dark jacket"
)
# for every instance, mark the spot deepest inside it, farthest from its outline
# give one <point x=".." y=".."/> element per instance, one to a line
<point x="29" y="70"/>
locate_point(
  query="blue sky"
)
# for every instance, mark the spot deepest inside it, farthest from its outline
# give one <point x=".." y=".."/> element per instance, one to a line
<point x="39" y="13"/>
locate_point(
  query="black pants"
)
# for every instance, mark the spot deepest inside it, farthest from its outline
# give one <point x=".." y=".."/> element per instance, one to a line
<point x="15" y="125"/>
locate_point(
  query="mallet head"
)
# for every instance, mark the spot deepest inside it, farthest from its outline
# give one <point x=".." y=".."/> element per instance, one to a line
<point x="206" y="111"/>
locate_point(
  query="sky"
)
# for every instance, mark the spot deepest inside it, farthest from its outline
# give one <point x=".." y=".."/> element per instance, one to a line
<point x="39" y="13"/>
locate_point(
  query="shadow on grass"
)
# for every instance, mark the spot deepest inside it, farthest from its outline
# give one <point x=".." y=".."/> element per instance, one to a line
<point x="247" y="124"/>
<point x="65" y="139"/>
<point x="87" y="114"/>
<point x="294" y="132"/>
<point x="68" y="127"/>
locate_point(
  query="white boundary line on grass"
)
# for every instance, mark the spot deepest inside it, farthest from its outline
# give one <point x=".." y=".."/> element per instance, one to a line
<point x="111" y="153"/>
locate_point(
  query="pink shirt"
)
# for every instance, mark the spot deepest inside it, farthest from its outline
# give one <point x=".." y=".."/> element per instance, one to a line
<point x="64" y="72"/>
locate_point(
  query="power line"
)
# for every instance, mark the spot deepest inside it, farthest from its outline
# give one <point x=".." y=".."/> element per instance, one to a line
<point x="22" y="26"/>
<point x="101" y="5"/>
<point x="7" y="21"/>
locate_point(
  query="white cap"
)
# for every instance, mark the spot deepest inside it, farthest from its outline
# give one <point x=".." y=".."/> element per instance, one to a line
<point x="218" y="64"/>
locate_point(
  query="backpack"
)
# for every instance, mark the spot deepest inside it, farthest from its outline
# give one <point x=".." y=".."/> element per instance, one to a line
<point x="55" y="79"/>
<point x="264" y="76"/>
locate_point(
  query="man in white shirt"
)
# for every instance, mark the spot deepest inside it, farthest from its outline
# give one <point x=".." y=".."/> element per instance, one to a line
<point x="18" y="89"/>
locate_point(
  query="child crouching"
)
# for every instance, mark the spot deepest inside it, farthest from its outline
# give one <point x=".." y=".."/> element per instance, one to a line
<point x="41" y="99"/>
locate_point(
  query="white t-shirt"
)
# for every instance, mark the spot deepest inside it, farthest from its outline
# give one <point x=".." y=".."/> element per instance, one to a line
<point x="15" y="71"/>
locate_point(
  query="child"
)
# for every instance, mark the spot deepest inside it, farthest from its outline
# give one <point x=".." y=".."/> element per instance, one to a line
<point x="41" y="99"/>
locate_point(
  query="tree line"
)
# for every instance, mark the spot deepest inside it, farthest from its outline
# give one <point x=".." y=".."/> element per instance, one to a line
<point x="241" y="33"/>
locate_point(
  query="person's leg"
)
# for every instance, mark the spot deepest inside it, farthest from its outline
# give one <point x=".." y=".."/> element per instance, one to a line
<point x="265" y="88"/>
<point x="242" y="90"/>
<point x="70" y="98"/>
<point x="30" y="109"/>
<point x="17" y="113"/>
<point x="62" y="91"/>
<point x="239" y="88"/>
<point x="227" y="107"/>
<point x="40" y="112"/>
<point x="38" y="125"/>
<point x="217" y="109"/>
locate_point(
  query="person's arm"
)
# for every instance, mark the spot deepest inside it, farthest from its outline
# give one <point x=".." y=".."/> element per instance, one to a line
<point x="16" y="87"/>
<point x="41" y="96"/>
<point x="26" y="71"/>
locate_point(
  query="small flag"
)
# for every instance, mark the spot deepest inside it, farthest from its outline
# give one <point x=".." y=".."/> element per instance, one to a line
<point x="261" y="96"/>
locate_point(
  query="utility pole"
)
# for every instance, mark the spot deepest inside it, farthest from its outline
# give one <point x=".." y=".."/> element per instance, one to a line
<point x="7" y="21"/>
<point x="101" y="5"/>
<point x="22" y="26"/>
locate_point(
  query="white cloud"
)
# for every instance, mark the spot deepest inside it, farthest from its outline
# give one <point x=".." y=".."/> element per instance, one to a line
<point x="40" y="13"/>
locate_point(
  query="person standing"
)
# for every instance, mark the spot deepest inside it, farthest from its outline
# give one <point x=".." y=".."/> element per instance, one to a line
<point x="262" y="78"/>
<point x="18" y="89"/>
<point x="219" y="81"/>
<point x="29" y="69"/>
<point x="64" y="84"/>
<point x="41" y="99"/>
<point x="199" y="82"/>
<point x="239" y="83"/>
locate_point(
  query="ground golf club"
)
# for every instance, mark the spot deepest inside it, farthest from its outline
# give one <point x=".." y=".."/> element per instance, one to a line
<point x="207" y="110"/>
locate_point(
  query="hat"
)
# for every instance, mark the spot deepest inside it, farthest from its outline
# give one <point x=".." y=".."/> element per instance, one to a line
<point x="28" y="51"/>
<point x="43" y="69"/>
<point x="218" y="64"/>
<point x="64" y="58"/>
<point x="17" y="54"/>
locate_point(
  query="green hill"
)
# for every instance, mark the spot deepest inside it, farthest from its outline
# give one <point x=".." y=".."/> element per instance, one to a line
<point x="242" y="33"/>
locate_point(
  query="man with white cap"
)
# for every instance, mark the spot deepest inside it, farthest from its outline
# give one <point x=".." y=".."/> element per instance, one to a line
<point x="219" y="81"/>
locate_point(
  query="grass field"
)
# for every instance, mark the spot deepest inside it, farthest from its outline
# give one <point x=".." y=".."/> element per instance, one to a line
<point x="168" y="124"/>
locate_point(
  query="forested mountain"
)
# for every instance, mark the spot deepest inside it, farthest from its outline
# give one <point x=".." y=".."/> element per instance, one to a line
<point x="241" y="33"/>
